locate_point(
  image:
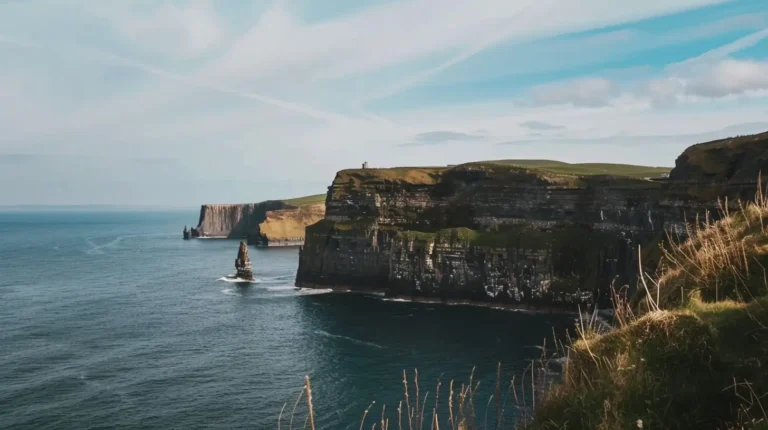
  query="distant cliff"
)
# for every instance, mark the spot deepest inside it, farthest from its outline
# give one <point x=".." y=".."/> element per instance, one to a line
<point x="510" y="231"/>
<point x="272" y="222"/>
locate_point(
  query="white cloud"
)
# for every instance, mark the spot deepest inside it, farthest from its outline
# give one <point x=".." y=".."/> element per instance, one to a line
<point x="190" y="29"/>
<point x="730" y="77"/>
<point x="586" y="92"/>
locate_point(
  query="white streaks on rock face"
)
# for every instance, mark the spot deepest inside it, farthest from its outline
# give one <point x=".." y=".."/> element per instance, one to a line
<point x="650" y="219"/>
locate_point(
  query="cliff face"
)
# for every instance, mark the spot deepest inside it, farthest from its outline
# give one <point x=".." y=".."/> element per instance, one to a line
<point x="270" y="222"/>
<point x="235" y="221"/>
<point x="491" y="231"/>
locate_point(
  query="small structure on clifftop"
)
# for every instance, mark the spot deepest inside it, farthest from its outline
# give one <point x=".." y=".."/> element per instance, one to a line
<point x="243" y="263"/>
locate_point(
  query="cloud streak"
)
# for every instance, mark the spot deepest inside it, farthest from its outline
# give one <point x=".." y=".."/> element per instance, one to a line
<point x="540" y="125"/>
<point x="443" y="136"/>
<point x="193" y="82"/>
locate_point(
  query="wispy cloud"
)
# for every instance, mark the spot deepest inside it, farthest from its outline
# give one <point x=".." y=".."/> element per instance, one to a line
<point x="186" y="29"/>
<point x="443" y="136"/>
<point x="191" y="81"/>
<point x="540" y="125"/>
<point x="649" y="139"/>
<point x="587" y="92"/>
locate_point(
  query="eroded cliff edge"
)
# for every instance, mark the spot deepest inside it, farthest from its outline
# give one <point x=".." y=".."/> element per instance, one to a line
<point x="269" y="223"/>
<point x="498" y="231"/>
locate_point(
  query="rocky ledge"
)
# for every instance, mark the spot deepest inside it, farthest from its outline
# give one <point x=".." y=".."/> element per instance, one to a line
<point x="516" y="232"/>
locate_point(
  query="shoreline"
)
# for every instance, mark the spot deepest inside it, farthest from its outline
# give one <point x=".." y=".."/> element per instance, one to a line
<point x="381" y="293"/>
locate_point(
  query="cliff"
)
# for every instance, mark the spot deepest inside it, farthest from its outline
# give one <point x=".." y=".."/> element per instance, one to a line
<point x="732" y="160"/>
<point x="507" y="231"/>
<point x="268" y="223"/>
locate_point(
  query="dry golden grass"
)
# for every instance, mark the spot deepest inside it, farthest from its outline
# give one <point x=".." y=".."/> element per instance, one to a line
<point x="720" y="260"/>
<point x="692" y="352"/>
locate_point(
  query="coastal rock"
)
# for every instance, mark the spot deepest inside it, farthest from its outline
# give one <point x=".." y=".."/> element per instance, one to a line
<point x="495" y="231"/>
<point x="190" y="233"/>
<point x="243" y="263"/>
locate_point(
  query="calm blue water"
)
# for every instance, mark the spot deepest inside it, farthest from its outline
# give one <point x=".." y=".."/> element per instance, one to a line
<point x="110" y="320"/>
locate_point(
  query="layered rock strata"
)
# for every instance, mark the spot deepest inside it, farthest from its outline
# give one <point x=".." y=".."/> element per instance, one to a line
<point x="496" y="232"/>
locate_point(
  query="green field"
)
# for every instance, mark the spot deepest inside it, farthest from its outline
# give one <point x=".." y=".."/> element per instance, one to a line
<point x="586" y="169"/>
<point x="431" y="175"/>
<point x="306" y="200"/>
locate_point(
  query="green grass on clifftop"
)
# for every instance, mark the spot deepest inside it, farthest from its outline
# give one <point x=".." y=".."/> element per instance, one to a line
<point x="307" y="200"/>
<point x="547" y="168"/>
<point x="587" y="169"/>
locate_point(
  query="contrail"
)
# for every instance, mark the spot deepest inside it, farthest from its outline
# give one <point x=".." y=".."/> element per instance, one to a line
<point x="150" y="69"/>
<point x="723" y="51"/>
<point x="482" y="45"/>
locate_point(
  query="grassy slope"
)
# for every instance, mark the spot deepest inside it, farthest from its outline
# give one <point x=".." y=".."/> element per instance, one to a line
<point x="691" y="354"/>
<point x="307" y="200"/>
<point x="431" y="175"/>
<point x="588" y="169"/>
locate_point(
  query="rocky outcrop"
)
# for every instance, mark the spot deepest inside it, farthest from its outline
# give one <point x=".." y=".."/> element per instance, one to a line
<point x="269" y="223"/>
<point x="737" y="159"/>
<point x="243" y="263"/>
<point x="727" y="167"/>
<point x="493" y="232"/>
<point x="190" y="233"/>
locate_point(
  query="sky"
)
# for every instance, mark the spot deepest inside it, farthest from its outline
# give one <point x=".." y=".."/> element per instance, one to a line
<point x="179" y="103"/>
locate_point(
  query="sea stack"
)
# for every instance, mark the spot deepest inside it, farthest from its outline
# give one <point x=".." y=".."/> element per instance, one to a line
<point x="243" y="263"/>
<point x="186" y="233"/>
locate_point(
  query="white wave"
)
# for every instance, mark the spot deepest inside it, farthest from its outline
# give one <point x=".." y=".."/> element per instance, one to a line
<point x="234" y="280"/>
<point x="396" y="300"/>
<point x="313" y="291"/>
<point x="350" y="339"/>
<point x="230" y="292"/>
<point x="282" y="288"/>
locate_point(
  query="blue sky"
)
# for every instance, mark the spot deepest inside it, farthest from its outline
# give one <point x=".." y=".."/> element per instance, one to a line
<point x="178" y="103"/>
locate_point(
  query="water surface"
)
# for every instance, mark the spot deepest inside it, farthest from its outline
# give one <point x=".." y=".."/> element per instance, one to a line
<point x="110" y="320"/>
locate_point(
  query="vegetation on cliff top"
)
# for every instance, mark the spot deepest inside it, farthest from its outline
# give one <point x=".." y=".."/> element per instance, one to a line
<point x="735" y="158"/>
<point x="542" y="168"/>
<point x="587" y="169"/>
<point x="307" y="200"/>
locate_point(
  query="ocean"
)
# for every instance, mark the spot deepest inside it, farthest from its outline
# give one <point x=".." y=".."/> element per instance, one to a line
<point x="111" y="320"/>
